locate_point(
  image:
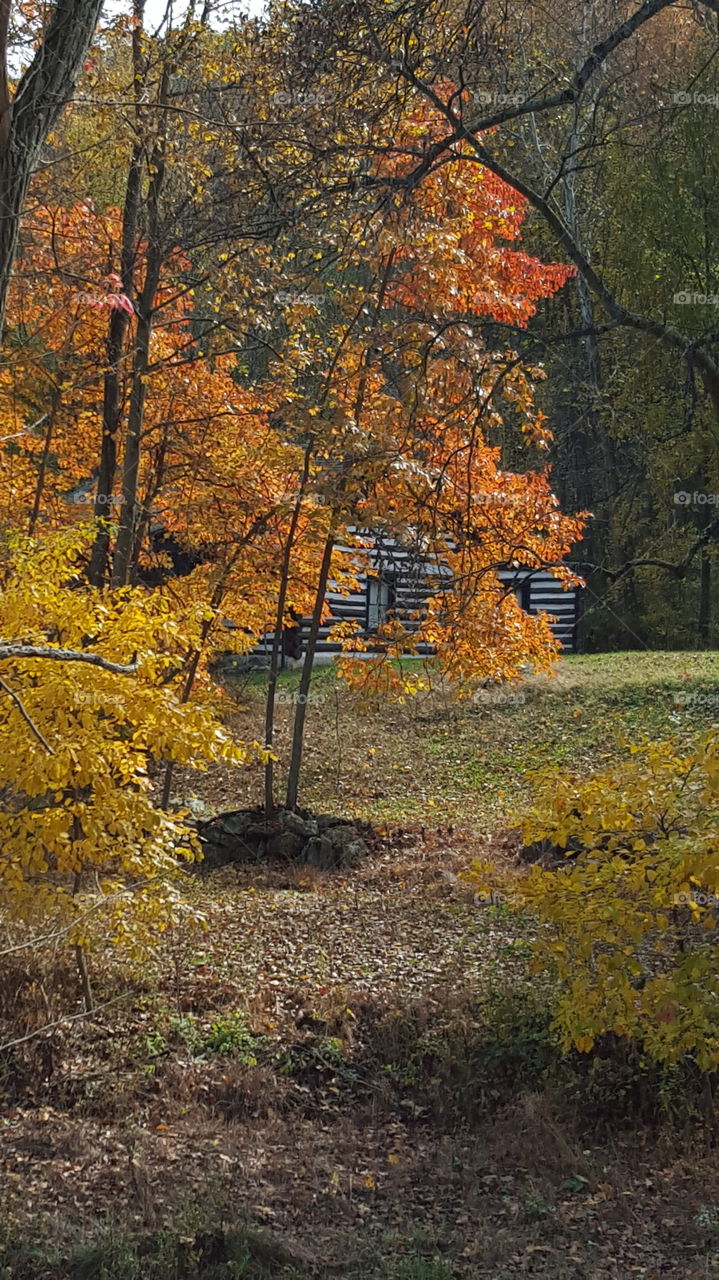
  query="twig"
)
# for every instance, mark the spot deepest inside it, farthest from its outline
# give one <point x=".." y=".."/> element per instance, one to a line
<point x="70" y="1017"/>
<point x="26" y="716"/>
<point x="56" y="934"/>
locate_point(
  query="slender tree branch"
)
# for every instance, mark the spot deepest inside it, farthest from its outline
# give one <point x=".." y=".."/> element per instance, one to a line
<point x="677" y="568"/>
<point x="68" y="655"/>
<point x="26" y="716"/>
<point x="60" y="1022"/>
<point x="4" y="85"/>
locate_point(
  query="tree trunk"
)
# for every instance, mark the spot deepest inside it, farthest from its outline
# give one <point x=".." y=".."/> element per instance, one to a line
<point x="194" y="659"/>
<point x="122" y="563"/>
<point x="112" y="398"/>
<point x="27" y="118"/>
<point x="131" y="462"/>
<point x="55" y="405"/>
<point x="205" y="630"/>
<point x="298" y="730"/>
<point x="593" y="485"/>
<point x="277" y="641"/>
<point x="84" y="976"/>
<point x="79" y="950"/>
<point x="42" y="471"/>
<point x="705" y="601"/>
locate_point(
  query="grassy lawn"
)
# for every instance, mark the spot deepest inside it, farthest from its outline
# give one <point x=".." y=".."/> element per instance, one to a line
<point x="353" y="1074"/>
<point x="431" y="761"/>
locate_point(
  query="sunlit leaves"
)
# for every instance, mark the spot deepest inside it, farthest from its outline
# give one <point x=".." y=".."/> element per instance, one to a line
<point x="629" y="922"/>
<point x="85" y="851"/>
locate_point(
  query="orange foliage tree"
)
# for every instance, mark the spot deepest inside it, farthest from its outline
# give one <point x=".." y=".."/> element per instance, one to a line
<point x="418" y="384"/>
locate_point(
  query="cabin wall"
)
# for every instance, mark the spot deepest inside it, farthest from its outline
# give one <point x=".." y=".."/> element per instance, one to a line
<point x="538" y="590"/>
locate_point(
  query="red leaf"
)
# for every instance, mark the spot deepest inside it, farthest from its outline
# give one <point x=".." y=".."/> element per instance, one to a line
<point x="120" y="302"/>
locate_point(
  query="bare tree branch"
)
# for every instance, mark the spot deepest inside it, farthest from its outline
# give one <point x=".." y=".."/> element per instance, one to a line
<point x="4" y="85"/>
<point x="26" y="716"/>
<point x="665" y="334"/>
<point x="573" y="92"/>
<point x="60" y="1022"/>
<point x="677" y="568"/>
<point x="68" y="655"/>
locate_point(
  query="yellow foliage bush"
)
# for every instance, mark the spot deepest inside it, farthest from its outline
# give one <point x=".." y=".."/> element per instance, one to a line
<point x="628" y="923"/>
<point x="84" y="851"/>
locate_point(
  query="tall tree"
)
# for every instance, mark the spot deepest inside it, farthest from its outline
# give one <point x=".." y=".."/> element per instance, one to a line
<point x="28" y="115"/>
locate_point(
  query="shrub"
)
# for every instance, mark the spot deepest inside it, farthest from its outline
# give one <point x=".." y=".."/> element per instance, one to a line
<point x="628" y="925"/>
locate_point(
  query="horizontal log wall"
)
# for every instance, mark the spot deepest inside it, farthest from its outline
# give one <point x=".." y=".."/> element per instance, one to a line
<point x="538" y="590"/>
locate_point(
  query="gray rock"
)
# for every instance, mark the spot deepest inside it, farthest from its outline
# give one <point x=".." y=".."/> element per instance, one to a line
<point x="287" y="845"/>
<point x="235" y="824"/>
<point x="349" y="846"/>
<point x="325" y="820"/>
<point x="211" y="858"/>
<point x="300" y="826"/>
<point x="341" y="837"/>
<point x="354" y="852"/>
<point x="218" y="855"/>
<point x="319" y="852"/>
<point x="258" y="831"/>
<point x="247" y="836"/>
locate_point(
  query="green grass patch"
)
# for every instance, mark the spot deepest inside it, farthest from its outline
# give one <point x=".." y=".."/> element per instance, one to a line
<point x="244" y="1254"/>
<point x="432" y="758"/>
